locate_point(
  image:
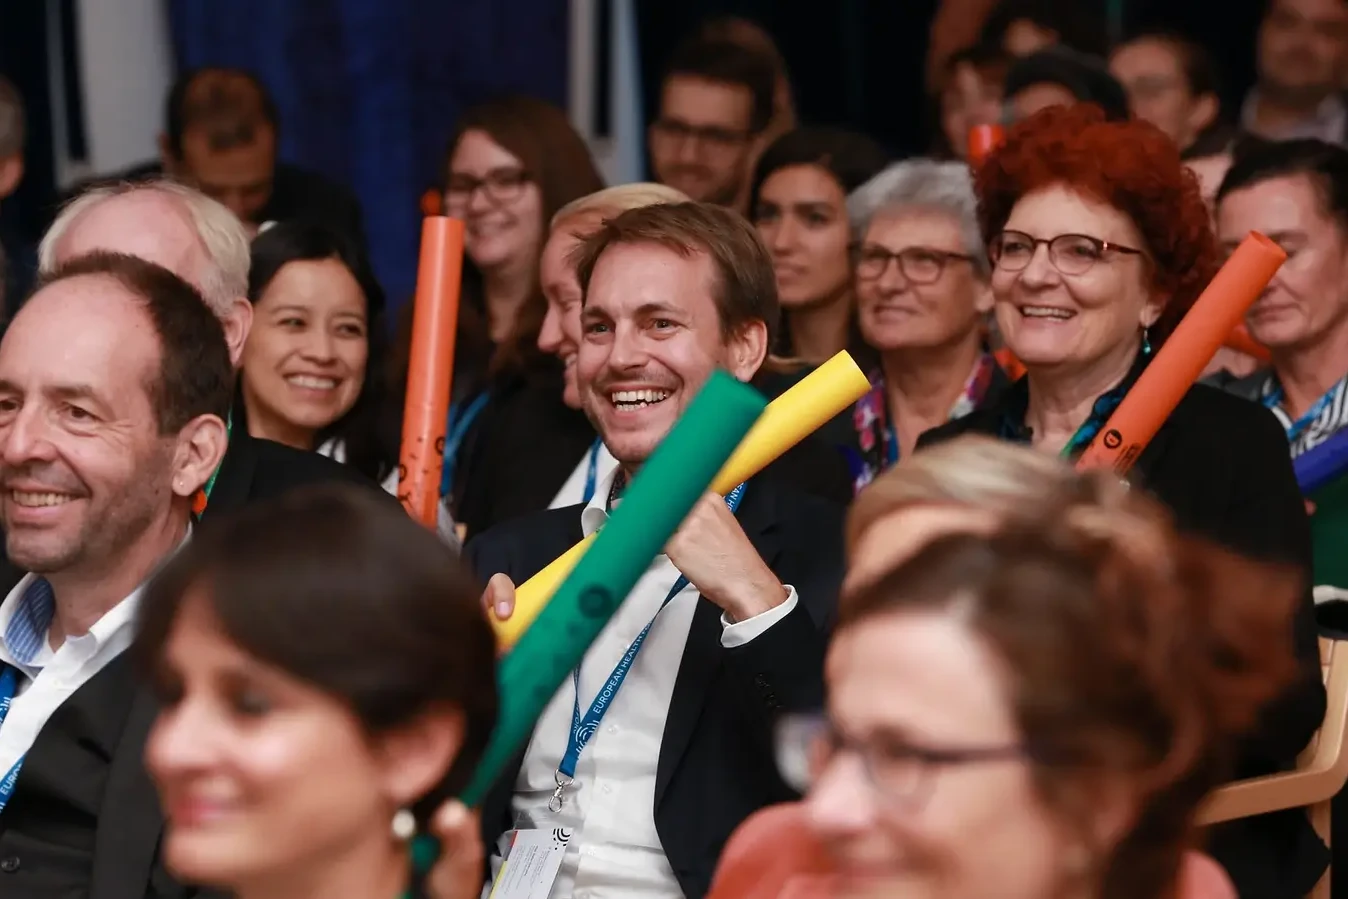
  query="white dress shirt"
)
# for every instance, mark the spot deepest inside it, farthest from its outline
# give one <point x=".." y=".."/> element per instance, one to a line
<point x="573" y="491"/>
<point x="615" y="852"/>
<point x="49" y="677"/>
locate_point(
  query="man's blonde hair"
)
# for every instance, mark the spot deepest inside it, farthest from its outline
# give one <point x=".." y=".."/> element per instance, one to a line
<point x="614" y="201"/>
<point x="224" y="242"/>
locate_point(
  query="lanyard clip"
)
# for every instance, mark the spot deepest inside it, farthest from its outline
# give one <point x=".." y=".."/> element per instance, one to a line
<point x="556" y="802"/>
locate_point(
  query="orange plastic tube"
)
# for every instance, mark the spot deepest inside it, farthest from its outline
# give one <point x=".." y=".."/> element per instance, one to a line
<point x="435" y="321"/>
<point x="1187" y="351"/>
<point x="1240" y="340"/>
<point x="983" y="139"/>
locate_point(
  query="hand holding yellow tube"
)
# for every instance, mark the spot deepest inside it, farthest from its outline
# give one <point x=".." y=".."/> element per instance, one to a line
<point x="789" y="419"/>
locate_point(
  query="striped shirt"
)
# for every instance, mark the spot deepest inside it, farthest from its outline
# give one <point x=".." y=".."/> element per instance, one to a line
<point x="1326" y="418"/>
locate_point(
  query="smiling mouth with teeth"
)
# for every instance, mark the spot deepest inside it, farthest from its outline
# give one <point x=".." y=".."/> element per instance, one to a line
<point x="311" y="382"/>
<point x="38" y="500"/>
<point x="626" y="400"/>
<point x="1048" y="312"/>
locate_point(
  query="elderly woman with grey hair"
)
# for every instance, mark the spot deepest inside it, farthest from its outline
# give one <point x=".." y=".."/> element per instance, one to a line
<point x="921" y="279"/>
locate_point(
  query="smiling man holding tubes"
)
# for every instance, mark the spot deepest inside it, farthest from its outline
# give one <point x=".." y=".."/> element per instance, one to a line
<point x="661" y="742"/>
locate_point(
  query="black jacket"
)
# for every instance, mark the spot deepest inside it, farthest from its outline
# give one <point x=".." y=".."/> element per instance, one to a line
<point x="716" y="756"/>
<point x="1221" y="465"/>
<point x="84" y="818"/>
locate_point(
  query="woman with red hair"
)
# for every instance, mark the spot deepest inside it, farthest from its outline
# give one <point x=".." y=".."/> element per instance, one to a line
<point x="1100" y="242"/>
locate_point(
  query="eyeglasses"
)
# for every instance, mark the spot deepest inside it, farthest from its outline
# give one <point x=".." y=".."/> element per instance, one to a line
<point x="675" y="130"/>
<point x="1071" y="254"/>
<point x="500" y="187"/>
<point x="920" y="265"/>
<point x="899" y="771"/>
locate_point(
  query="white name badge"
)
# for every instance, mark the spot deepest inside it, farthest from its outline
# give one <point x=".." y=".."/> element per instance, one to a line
<point x="530" y="866"/>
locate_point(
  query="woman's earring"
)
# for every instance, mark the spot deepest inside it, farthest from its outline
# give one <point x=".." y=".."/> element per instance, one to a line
<point x="404" y="825"/>
<point x="1146" y="341"/>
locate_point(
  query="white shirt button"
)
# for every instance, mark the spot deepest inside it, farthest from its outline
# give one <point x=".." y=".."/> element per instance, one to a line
<point x="613" y="728"/>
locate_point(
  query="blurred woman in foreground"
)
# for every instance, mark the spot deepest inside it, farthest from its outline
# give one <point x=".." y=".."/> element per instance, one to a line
<point x="1038" y="712"/>
<point x="327" y="679"/>
<point x="1034" y="702"/>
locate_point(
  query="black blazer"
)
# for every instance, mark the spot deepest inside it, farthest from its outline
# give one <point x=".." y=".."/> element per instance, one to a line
<point x="1220" y="463"/>
<point x="93" y="745"/>
<point x="716" y="756"/>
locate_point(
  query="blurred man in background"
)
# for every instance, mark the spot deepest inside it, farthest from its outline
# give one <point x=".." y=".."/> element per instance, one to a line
<point x="1303" y="45"/>
<point x="221" y="137"/>
<point x="1171" y="82"/>
<point x="716" y="102"/>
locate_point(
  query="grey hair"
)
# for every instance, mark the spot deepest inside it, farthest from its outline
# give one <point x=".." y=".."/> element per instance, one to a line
<point x="923" y="184"/>
<point x="223" y="278"/>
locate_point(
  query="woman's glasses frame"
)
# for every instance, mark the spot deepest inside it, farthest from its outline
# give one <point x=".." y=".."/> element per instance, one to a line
<point x="900" y="772"/>
<point x="1070" y="254"/>
<point x="501" y="186"/>
<point x="919" y="265"/>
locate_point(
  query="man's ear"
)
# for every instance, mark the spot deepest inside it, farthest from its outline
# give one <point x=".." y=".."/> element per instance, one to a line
<point x="748" y="349"/>
<point x="238" y="323"/>
<point x="201" y="447"/>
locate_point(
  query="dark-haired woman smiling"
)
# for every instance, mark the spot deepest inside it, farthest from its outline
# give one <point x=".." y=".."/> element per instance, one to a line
<point x="799" y="203"/>
<point x="326" y="677"/>
<point x="311" y="365"/>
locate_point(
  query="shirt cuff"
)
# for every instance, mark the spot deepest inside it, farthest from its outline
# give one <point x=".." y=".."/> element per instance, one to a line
<point x="741" y="632"/>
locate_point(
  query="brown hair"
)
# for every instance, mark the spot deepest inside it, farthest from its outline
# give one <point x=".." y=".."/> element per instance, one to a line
<point x="745" y="288"/>
<point x="554" y="157"/>
<point x="1132" y="654"/>
<point x="338" y="587"/>
<point x="194" y="375"/>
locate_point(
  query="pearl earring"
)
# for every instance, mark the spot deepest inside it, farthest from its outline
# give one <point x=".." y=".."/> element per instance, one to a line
<point x="404" y="825"/>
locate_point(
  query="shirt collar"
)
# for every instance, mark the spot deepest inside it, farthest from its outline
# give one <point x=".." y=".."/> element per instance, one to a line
<point x="595" y="513"/>
<point x="26" y="615"/>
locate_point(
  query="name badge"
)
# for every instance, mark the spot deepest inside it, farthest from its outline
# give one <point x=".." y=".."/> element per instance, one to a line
<point x="530" y="866"/>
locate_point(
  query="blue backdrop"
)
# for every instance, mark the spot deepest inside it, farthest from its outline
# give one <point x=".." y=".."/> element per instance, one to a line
<point x="368" y="90"/>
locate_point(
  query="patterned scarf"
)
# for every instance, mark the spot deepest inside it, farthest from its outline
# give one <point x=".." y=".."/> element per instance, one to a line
<point x="1323" y="420"/>
<point x="878" y="443"/>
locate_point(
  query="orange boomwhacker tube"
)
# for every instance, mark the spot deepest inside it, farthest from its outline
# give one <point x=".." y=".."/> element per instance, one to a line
<point x="1187" y="351"/>
<point x="435" y="321"/>
<point x="1240" y="340"/>
<point x="983" y="139"/>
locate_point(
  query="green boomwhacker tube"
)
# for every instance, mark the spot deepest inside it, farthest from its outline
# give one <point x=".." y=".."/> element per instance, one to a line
<point x="662" y="494"/>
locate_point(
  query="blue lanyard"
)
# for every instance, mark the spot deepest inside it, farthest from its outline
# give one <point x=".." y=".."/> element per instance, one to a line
<point x="1275" y="397"/>
<point x="9" y="686"/>
<point x="456" y="429"/>
<point x="592" y="473"/>
<point x="583" y="728"/>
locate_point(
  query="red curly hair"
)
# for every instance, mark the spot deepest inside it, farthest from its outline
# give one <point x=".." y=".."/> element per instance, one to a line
<point x="1134" y="167"/>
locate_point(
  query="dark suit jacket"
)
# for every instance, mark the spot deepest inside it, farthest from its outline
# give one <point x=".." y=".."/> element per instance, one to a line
<point x="1220" y="463"/>
<point x="84" y="814"/>
<point x="716" y="756"/>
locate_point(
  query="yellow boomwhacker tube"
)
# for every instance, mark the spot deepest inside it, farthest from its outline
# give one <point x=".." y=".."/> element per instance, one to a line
<point x="789" y="419"/>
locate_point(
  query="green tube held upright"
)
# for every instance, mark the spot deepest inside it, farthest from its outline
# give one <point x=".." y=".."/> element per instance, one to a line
<point x="659" y="498"/>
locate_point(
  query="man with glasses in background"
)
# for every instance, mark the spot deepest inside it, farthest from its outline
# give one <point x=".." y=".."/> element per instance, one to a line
<point x="716" y="101"/>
